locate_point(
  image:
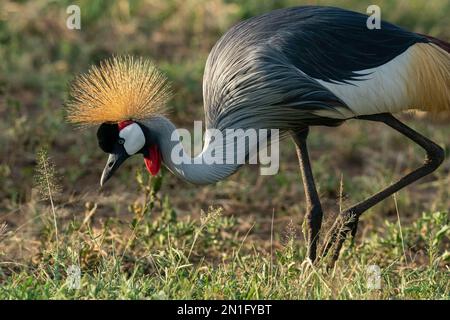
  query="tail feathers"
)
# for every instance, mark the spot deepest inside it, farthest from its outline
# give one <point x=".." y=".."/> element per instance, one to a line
<point x="440" y="43"/>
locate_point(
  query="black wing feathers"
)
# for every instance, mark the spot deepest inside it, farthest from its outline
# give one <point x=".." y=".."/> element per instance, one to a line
<point x="329" y="43"/>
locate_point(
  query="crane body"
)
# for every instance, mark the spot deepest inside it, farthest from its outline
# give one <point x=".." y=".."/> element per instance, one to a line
<point x="324" y="63"/>
<point x="289" y="70"/>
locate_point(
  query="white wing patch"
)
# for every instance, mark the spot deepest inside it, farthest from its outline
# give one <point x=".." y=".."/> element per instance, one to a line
<point x="134" y="138"/>
<point x="383" y="89"/>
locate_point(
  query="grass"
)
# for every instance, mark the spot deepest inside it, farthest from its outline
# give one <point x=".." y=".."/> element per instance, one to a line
<point x="147" y="238"/>
<point x="158" y="255"/>
<point x="163" y="257"/>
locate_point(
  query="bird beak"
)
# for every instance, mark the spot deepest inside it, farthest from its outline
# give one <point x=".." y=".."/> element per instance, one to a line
<point x="114" y="162"/>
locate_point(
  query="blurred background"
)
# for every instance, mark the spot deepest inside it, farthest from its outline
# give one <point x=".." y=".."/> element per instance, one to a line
<point x="39" y="56"/>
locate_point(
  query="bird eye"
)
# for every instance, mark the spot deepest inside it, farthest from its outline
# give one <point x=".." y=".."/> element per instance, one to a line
<point x="121" y="141"/>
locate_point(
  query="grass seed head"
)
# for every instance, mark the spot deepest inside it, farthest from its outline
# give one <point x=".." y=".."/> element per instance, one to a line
<point x="46" y="180"/>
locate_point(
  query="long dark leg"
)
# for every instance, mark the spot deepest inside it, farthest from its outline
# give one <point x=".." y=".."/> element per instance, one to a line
<point x="348" y="219"/>
<point x="313" y="207"/>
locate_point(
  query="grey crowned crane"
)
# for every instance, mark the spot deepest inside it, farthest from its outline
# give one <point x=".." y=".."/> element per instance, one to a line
<point x="289" y="69"/>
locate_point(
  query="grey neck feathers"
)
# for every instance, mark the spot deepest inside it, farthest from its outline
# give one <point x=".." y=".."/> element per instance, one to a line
<point x="193" y="170"/>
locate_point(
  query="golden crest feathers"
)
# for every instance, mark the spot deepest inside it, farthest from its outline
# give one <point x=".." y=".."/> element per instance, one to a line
<point x="120" y="88"/>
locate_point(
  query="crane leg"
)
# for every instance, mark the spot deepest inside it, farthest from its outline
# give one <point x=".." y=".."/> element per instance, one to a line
<point x="348" y="219"/>
<point x="313" y="207"/>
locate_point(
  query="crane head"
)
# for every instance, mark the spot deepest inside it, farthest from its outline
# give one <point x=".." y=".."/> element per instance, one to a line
<point x="122" y="141"/>
<point x="110" y="94"/>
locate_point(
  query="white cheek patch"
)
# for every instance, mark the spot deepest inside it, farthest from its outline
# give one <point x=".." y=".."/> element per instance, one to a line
<point x="134" y="138"/>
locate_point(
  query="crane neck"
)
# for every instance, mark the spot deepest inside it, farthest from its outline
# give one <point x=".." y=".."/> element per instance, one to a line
<point x="177" y="159"/>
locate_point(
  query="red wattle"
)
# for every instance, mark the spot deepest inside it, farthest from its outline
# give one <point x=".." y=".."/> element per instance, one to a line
<point x="153" y="160"/>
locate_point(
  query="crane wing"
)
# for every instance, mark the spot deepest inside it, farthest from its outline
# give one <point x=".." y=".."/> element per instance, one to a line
<point x="332" y="44"/>
<point x="273" y="70"/>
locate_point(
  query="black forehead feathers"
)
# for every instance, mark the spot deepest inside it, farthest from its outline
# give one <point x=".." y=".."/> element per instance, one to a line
<point x="107" y="135"/>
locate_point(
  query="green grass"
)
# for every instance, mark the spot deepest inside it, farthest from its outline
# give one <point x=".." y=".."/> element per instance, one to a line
<point x="146" y="238"/>
<point x="165" y="257"/>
